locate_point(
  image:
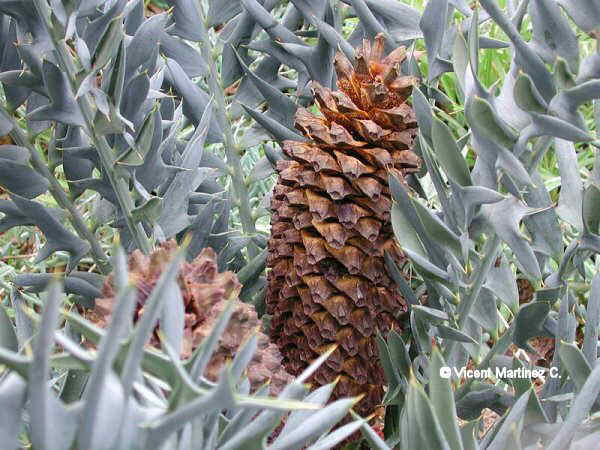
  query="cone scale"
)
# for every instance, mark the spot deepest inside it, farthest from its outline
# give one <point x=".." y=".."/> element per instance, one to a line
<point x="327" y="282"/>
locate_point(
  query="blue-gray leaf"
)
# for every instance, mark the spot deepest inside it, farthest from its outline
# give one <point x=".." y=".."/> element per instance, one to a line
<point x="505" y="217"/>
<point x="17" y="176"/>
<point x="57" y="236"/>
<point x="63" y="107"/>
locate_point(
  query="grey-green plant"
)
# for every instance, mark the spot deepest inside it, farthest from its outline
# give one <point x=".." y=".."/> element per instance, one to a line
<point x="470" y="229"/>
<point x="129" y="121"/>
<point x="137" y="397"/>
<point x="125" y="122"/>
<point x="121" y="120"/>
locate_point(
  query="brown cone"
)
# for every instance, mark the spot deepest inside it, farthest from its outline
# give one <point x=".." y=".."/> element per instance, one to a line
<point x="331" y="224"/>
<point x="205" y="293"/>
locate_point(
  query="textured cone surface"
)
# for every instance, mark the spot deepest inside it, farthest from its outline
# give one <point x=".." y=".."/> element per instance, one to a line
<point x="331" y="224"/>
<point x="205" y="294"/>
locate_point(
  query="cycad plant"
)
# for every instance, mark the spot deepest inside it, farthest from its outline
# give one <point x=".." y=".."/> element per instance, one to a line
<point x="121" y="128"/>
<point x="140" y="397"/>
<point x="474" y="224"/>
<point x="128" y="123"/>
<point x="118" y="125"/>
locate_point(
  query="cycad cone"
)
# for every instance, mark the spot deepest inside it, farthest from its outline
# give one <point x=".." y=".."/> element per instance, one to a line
<point x="331" y="224"/>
